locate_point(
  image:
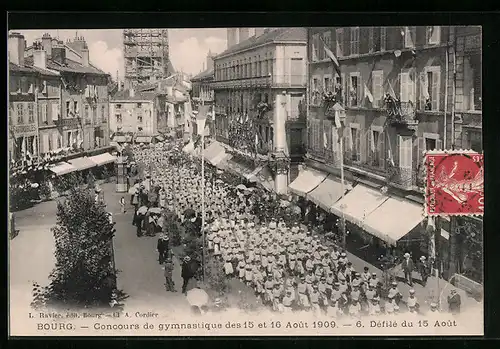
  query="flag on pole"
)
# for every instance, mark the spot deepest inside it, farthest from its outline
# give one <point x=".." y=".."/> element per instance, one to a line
<point x="368" y="93"/>
<point x="332" y="57"/>
<point x="201" y="118"/>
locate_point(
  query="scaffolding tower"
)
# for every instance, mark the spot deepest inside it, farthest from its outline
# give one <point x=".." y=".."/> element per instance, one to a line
<point x="146" y="55"/>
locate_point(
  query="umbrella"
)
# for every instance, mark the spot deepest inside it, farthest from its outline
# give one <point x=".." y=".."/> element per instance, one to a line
<point x="35" y="185"/>
<point x="241" y="187"/>
<point x="197" y="297"/>
<point x="132" y="190"/>
<point x="156" y="210"/>
<point x="142" y="210"/>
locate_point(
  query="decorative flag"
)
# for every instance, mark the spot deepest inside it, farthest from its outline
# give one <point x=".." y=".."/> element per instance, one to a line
<point x="389" y="152"/>
<point x="201" y="118"/>
<point x="368" y="93"/>
<point x="332" y="57"/>
<point x="391" y="90"/>
<point x="424" y="83"/>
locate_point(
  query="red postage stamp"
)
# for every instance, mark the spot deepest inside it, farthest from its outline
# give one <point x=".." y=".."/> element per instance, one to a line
<point x="454" y="183"/>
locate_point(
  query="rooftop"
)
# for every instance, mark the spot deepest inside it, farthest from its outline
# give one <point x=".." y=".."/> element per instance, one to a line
<point x="280" y="34"/>
<point x="29" y="69"/>
<point x="209" y="73"/>
<point x="70" y="66"/>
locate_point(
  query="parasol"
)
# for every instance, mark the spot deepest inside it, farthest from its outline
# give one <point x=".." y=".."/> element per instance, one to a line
<point x="241" y="187"/>
<point x="132" y="190"/>
<point x="156" y="210"/>
<point x="142" y="210"/>
<point x="197" y="297"/>
<point x="35" y="185"/>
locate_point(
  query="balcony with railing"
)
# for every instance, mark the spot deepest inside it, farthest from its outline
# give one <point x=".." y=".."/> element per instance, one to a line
<point x="282" y="81"/>
<point x="400" y="114"/>
<point x="68" y="122"/>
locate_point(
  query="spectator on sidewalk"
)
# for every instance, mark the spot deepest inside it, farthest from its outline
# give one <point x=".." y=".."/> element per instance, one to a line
<point x="162" y="248"/>
<point x="424" y="269"/>
<point x="454" y="302"/>
<point x="122" y="204"/>
<point x="187" y="272"/>
<point x="168" y="269"/>
<point x="407" y="266"/>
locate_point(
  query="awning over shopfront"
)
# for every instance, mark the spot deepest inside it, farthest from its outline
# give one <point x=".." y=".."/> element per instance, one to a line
<point x="82" y="163"/>
<point x="103" y="159"/>
<point x="121" y="139"/>
<point x="357" y="204"/>
<point x="307" y="180"/>
<point x="143" y="139"/>
<point x="222" y="164"/>
<point x="394" y="219"/>
<point x="213" y="152"/>
<point x="327" y="193"/>
<point x="265" y="178"/>
<point x="62" y="168"/>
<point x="241" y="170"/>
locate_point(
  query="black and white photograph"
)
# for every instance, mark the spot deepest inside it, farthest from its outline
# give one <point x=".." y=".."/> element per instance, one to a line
<point x="246" y="181"/>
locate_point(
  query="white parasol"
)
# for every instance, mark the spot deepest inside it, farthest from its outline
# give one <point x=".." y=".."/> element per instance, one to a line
<point x="142" y="210"/>
<point x="132" y="190"/>
<point x="156" y="210"/>
<point x="197" y="297"/>
<point x="35" y="185"/>
<point x="241" y="187"/>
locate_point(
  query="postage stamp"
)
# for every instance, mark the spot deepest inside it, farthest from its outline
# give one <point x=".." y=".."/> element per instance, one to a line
<point x="454" y="183"/>
<point x="150" y="173"/>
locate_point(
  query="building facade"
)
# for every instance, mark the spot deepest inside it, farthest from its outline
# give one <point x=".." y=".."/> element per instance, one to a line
<point x="202" y="90"/>
<point x="70" y="108"/>
<point x="381" y="67"/>
<point x="263" y="79"/>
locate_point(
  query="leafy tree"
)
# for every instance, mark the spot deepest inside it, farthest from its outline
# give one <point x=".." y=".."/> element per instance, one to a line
<point x="84" y="274"/>
<point x="215" y="276"/>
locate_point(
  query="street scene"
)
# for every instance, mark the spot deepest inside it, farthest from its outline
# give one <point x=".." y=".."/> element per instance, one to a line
<point x="333" y="172"/>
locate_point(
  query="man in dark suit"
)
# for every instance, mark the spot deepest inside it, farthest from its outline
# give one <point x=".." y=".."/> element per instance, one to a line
<point x="187" y="272"/>
<point x="408" y="267"/>
<point x="162" y="248"/>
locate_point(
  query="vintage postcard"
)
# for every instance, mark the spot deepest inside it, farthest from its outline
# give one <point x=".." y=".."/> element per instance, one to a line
<point x="246" y="182"/>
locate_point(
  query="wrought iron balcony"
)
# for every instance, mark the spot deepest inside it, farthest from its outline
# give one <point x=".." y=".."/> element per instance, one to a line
<point x="400" y="114"/>
<point x="402" y="177"/>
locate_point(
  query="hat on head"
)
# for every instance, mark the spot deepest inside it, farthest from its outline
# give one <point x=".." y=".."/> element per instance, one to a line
<point x="187" y="259"/>
<point x="374" y="274"/>
<point x="412" y="291"/>
<point x="406" y="255"/>
<point x="394" y="283"/>
<point x="422" y="258"/>
<point x="433" y="305"/>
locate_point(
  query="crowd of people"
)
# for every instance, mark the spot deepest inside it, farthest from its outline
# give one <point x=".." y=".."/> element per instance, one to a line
<point x="257" y="240"/>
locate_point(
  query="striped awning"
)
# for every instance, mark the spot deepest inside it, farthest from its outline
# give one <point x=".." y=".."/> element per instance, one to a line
<point x="143" y="139"/>
<point x="82" y="163"/>
<point x="103" y="159"/>
<point x="62" y="168"/>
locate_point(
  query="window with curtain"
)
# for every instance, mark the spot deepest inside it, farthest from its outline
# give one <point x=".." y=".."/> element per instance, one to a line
<point x="354" y="40"/>
<point x="339" y="34"/>
<point x="405" y="152"/>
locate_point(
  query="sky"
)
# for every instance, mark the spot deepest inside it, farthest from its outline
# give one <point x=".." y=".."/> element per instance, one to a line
<point x="188" y="47"/>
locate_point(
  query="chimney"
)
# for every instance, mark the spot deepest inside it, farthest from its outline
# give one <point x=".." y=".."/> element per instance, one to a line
<point x="59" y="53"/>
<point x="210" y="61"/>
<point x="47" y="44"/>
<point x="39" y="56"/>
<point x="85" y="57"/>
<point x="16" y="48"/>
<point x="131" y="92"/>
<point x="244" y="34"/>
<point x="260" y="31"/>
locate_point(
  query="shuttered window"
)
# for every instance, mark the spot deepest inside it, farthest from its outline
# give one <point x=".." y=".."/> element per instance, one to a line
<point x="354" y="41"/>
<point x="405" y="152"/>
<point x="377" y="87"/>
<point x="355" y="143"/>
<point x="433" y="35"/>
<point x="407" y="90"/>
<point x="315" y="48"/>
<point x="45" y="143"/>
<point x="410" y="34"/>
<point x="371" y="44"/>
<point x="339" y="33"/>
<point x="55" y="111"/>
<point x="56" y="141"/>
<point x="327" y="39"/>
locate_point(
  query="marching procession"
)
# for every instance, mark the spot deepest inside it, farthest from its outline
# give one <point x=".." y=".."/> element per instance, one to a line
<point x="258" y="240"/>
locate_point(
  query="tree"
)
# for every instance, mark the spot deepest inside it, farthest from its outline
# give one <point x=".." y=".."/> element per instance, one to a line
<point x="84" y="274"/>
